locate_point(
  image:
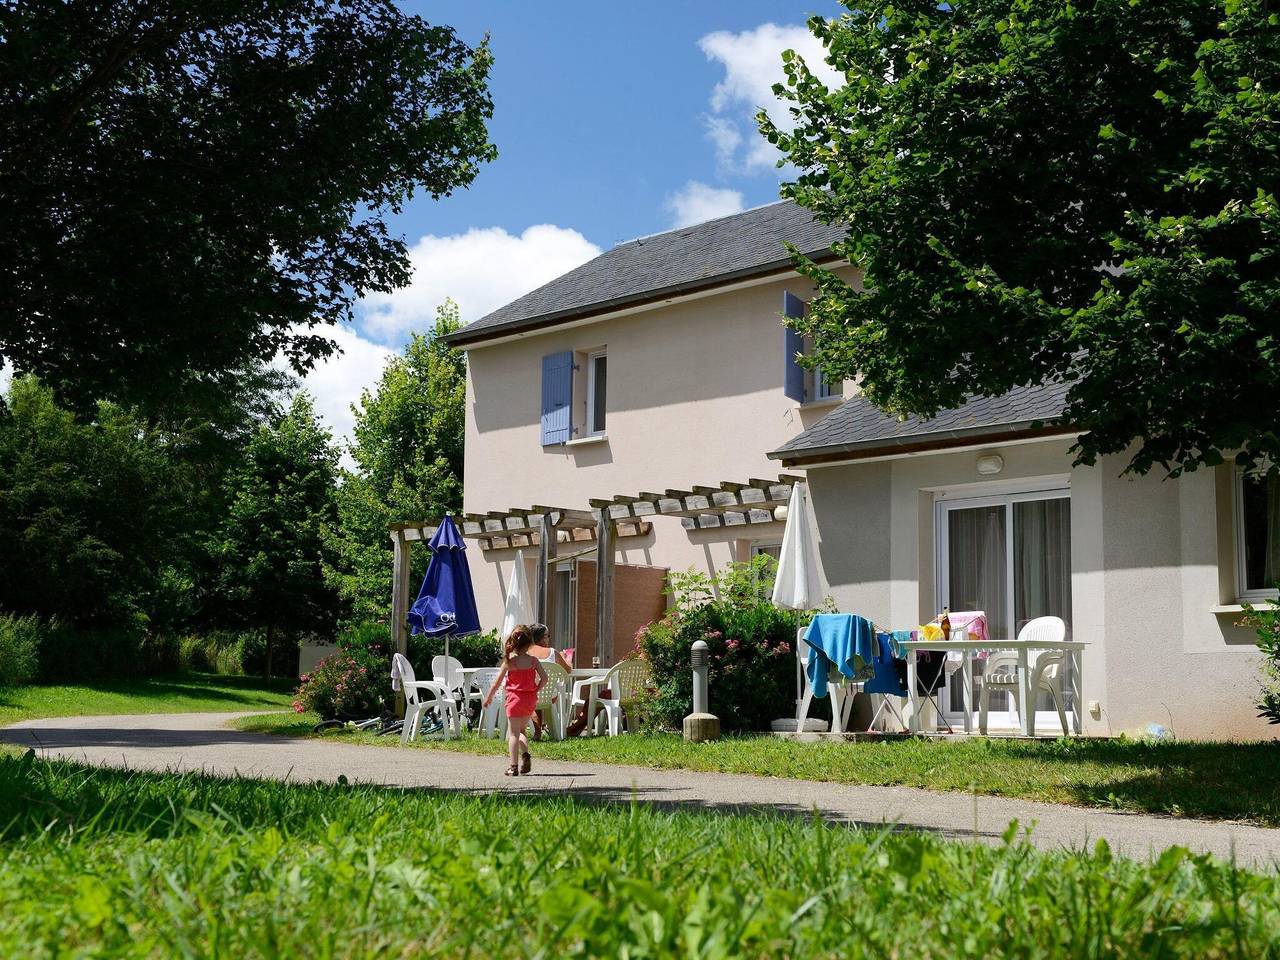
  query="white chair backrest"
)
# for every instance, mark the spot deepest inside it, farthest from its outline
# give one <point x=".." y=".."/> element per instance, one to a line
<point x="627" y="678"/>
<point x="407" y="678"/>
<point x="1043" y="630"/>
<point x="447" y="670"/>
<point x="482" y="680"/>
<point x="557" y="683"/>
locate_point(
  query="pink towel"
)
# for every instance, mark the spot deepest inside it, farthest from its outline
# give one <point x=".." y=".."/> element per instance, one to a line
<point x="973" y="621"/>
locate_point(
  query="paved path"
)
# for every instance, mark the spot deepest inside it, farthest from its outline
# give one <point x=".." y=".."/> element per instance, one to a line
<point x="205" y="742"/>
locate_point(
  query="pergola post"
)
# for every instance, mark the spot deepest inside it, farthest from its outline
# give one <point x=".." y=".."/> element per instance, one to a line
<point x="401" y="548"/>
<point x="605" y="533"/>
<point x="546" y="558"/>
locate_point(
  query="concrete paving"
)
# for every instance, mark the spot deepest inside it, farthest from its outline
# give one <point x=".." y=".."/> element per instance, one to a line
<point x="206" y="742"/>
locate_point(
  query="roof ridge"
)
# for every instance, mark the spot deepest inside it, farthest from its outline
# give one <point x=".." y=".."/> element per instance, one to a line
<point x="700" y="223"/>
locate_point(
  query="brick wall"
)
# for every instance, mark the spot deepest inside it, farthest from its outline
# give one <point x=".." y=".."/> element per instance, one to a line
<point x="638" y="600"/>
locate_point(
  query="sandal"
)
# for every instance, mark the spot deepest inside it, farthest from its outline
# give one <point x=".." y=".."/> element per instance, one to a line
<point x="526" y="764"/>
<point x="513" y="770"/>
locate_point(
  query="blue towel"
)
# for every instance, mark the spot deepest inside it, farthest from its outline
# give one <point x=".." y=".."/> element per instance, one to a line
<point x="886" y="679"/>
<point x="842" y="639"/>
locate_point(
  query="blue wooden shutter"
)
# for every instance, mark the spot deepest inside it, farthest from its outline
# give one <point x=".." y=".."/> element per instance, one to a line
<point x="792" y="345"/>
<point x="557" y="394"/>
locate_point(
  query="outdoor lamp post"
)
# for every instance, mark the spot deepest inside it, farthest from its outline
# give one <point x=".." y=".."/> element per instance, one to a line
<point x="700" y="725"/>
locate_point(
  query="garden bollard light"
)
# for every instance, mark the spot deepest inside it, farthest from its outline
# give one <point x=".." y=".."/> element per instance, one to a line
<point x="700" y="725"/>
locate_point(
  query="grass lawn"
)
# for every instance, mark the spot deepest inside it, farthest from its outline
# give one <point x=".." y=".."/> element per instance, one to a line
<point x="125" y="864"/>
<point x="1225" y="781"/>
<point x="186" y="693"/>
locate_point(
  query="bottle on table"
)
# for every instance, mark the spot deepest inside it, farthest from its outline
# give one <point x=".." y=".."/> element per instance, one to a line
<point x="944" y="621"/>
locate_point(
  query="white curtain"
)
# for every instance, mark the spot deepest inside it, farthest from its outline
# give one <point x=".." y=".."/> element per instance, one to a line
<point x="976" y="564"/>
<point x="1042" y="560"/>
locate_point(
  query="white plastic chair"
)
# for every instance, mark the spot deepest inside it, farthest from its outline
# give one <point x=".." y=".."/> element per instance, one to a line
<point x="448" y="671"/>
<point x="623" y="681"/>
<point x="552" y="697"/>
<point x="416" y="704"/>
<point x="1046" y="672"/>
<point x="841" y="694"/>
<point x="493" y="716"/>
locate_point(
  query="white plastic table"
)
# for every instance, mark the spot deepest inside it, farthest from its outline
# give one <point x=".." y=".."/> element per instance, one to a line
<point x="593" y="679"/>
<point x="1023" y="649"/>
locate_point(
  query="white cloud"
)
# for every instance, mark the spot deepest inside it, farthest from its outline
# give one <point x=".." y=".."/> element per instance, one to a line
<point x="6" y="376"/>
<point x="752" y="62"/>
<point x="696" y="202"/>
<point x="481" y="270"/>
<point x="336" y="383"/>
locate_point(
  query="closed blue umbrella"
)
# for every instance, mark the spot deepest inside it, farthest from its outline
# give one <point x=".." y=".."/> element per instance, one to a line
<point x="446" y="604"/>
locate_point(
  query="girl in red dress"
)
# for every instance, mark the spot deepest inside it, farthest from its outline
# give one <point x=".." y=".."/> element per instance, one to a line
<point x="524" y="677"/>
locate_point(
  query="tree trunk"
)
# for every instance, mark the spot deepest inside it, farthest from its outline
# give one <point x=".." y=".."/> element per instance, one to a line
<point x="270" y="641"/>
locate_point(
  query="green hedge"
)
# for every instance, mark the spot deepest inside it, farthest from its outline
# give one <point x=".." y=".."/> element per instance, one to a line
<point x="19" y="650"/>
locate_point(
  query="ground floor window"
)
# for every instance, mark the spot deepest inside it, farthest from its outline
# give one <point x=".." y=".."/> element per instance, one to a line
<point x="1009" y="556"/>
<point x="1257" y="534"/>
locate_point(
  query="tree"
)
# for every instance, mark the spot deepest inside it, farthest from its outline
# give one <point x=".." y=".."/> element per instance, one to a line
<point x="273" y="550"/>
<point x="408" y="454"/>
<point x="189" y="187"/>
<point x="1077" y="191"/>
<point x="92" y="515"/>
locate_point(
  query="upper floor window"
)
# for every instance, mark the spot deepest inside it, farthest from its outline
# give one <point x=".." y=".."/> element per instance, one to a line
<point x="801" y="384"/>
<point x="575" y="389"/>
<point x="1257" y="535"/>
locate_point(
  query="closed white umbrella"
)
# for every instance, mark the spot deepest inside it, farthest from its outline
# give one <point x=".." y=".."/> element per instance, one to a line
<point x="519" y="605"/>
<point x="797" y="586"/>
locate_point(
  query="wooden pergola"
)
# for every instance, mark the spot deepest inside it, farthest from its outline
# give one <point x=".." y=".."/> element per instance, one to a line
<point x="592" y="532"/>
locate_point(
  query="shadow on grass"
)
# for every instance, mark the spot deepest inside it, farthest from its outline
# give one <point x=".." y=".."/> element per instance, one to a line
<point x="39" y="797"/>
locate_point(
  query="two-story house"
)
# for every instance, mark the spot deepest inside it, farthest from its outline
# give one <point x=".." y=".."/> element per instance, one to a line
<point x="663" y="363"/>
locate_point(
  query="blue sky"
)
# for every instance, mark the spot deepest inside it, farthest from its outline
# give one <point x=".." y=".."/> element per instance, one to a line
<point x="611" y="121"/>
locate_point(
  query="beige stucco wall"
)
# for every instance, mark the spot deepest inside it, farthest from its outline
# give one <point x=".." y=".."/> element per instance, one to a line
<point x="1150" y="559"/>
<point x="695" y="397"/>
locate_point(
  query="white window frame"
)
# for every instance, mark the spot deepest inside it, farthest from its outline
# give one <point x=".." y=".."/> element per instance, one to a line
<point x="1237" y="527"/>
<point x="957" y="500"/>
<point x="589" y="429"/>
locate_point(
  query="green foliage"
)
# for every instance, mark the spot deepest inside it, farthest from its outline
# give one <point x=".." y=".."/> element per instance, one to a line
<point x="89" y="512"/>
<point x="472" y="650"/>
<point x="227" y="652"/>
<point x="273" y="549"/>
<point x="309" y="870"/>
<point x="19" y="650"/>
<point x="408" y="451"/>
<point x="1266" y="621"/>
<point x="192" y="187"/>
<point x="751" y="643"/>
<point x="990" y="158"/>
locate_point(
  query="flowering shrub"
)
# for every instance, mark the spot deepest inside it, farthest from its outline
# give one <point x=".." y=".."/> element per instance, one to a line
<point x="1266" y="621"/>
<point x="350" y="684"/>
<point x="751" y="645"/>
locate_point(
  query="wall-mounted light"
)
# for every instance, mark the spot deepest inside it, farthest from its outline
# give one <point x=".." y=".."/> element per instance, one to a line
<point x="780" y="512"/>
<point x="990" y="464"/>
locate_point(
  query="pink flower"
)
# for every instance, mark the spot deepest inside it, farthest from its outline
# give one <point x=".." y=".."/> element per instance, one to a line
<point x="733" y="644"/>
<point x="784" y="646"/>
<point x="297" y="707"/>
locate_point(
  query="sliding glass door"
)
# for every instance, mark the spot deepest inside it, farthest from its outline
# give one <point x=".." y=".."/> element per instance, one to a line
<point x="1009" y="556"/>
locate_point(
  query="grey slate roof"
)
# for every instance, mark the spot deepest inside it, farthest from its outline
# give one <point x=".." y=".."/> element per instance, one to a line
<point x="857" y="428"/>
<point x="678" y="261"/>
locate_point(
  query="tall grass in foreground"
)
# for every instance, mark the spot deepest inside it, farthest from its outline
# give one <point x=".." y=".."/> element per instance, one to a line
<point x="110" y="863"/>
